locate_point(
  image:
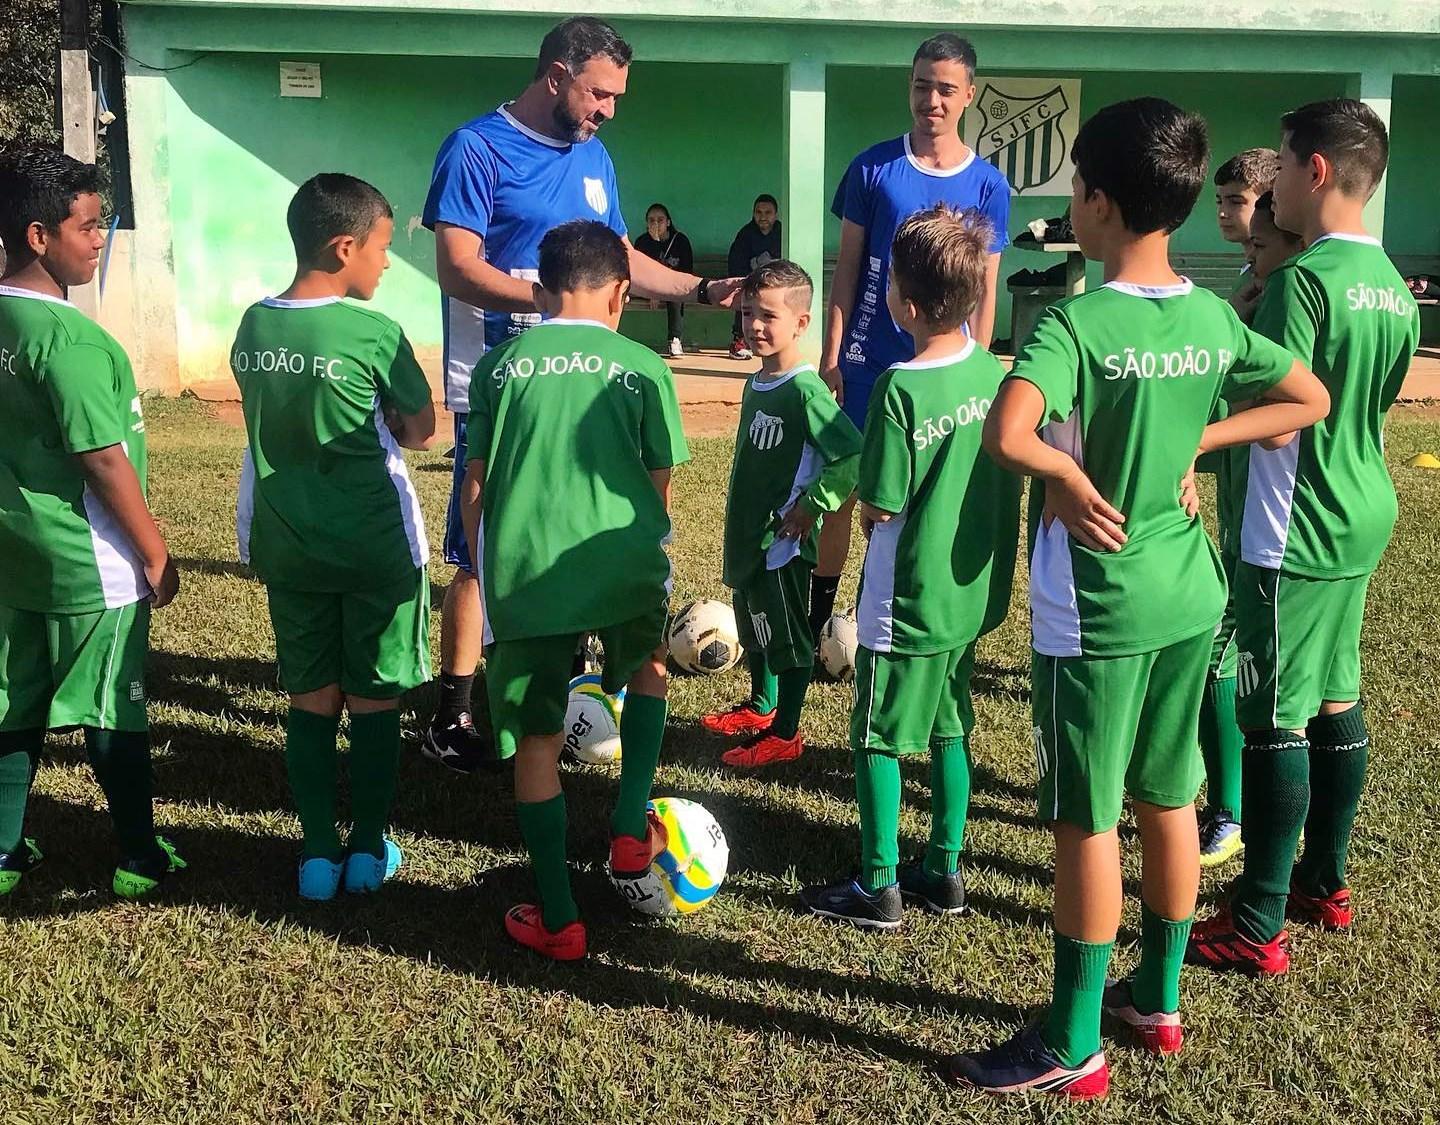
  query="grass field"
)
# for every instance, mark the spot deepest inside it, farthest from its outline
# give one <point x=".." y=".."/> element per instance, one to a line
<point x="229" y="1001"/>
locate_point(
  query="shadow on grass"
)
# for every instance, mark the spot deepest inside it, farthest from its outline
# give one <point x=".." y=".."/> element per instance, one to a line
<point x="221" y="567"/>
<point x="458" y="929"/>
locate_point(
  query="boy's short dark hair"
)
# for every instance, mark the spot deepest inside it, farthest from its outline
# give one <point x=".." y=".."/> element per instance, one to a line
<point x="765" y="197"/>
<point x="1148" y="157"/>
<point x="1255" y="168"/>
<point x="332" y="205"/>
<point x="1347" y="133"/>
<point x="781" y="273"/>
<point x="582" y="254"/>
<point x="579" y="39"/>
<point x="39" y="185"/>
<point x="946" y="47"/>
<point x="939" y="258"/>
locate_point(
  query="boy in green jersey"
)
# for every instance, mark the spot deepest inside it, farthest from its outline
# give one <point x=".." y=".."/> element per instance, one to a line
<point x="574" y="431"/>
<point x="1239" y="183"/>
<point x="1318" y="514"/>
<point x="330" y="522"/>
<point x="1125" y="587"/>
<point x="942" y="522"/>
<point x="796" y="458"/>
<point x="81" y="560"/>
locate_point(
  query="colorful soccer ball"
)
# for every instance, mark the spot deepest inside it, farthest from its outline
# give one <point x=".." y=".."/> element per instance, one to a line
<point x="703" y="638"/>
<point x="838" y="640"/>
<point x="592" y="724"/>
<point x="686" y="875"/>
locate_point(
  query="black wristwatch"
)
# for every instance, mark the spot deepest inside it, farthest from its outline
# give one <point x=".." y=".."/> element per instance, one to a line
<point x="702" y="291"/>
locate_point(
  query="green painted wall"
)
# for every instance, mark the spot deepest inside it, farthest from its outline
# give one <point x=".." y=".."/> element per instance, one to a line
<point x="1412" y="216"/>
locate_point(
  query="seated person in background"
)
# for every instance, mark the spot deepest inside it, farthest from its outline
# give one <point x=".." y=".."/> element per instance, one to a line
<point x="669" y="247"/>
<point x="756" y="243"/>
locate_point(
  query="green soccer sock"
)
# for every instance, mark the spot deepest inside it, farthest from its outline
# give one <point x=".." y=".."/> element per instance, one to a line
<point x="762" y="682"/>
<point x="374" y="762"/>
<point x="19" y="750"/>
<point x="312" y="764"/>
<point x="877" y="789"/>
<point x="1156" y="987"/>
<point x="642" y="731"/>
<point x="1223" y="746"/>
<point x="1277" y="793"/>
<point x="1072" y="1026"/>
<point x="791" y="700"/>
<point x="1339" y="754"/>
<point x="949" y="804"/>
<point x="542" y="824"/>
<point x="121" y="761"/>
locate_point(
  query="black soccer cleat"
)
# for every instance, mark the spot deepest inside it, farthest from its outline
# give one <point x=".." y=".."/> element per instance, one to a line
<point x="939" y="894"/>
<point x="848" y="901"/>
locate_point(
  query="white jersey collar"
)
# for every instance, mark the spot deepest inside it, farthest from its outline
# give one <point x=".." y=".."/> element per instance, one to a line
<point x="31" y="295"/>
<point x="939" y="173"/>
<point x="525" y="130"/>
<point x="574" y="321"/>
<point x="939" y="361"/>
<point x="306" y="303"/>
<point x="1184" y="289"/>
<point x="780" y="380"/>
<point x="1363" y="239"/>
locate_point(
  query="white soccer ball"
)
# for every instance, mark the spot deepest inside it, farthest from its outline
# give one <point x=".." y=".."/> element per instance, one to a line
<point x="838" y="641"/>
<point x="703" y="638"/>
<point x="592" y="728"/>
<point x="688" y="873"/>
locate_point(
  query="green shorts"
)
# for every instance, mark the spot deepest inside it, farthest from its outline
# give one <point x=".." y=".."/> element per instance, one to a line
<point x="527" y="679"/>
<point x="906" y="704"/>
<point x="1224" y="653"/>
<point x="1299" y="641"/>
<point x="772" y="615"/>
<point x="74" y="669"/>
<point x="1106" y="726"/>
<point x="374" y="643"/>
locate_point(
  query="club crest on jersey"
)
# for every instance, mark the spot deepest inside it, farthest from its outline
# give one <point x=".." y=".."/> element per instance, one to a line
<point x="1023" y="136"/>
<point x="1247" y="676"/>
<point x="761" y="625"/>
<point x="595" y="195"/>
<point x="766" y="430"/>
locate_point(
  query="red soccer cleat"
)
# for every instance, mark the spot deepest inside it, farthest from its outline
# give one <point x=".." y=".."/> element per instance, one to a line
<point x="630" y="856"/>
<point x="1217" y="944"/>
<point x="1332" y="912"/>
<point x="1160" y="1033"/>
<point x="764" y="749"/>
<point x="524" y="924"/>
<point x="740" y="719"/>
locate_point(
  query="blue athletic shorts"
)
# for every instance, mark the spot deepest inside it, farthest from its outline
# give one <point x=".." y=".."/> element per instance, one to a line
<point x="857" y="395"/>
<point x="457" y="551"/>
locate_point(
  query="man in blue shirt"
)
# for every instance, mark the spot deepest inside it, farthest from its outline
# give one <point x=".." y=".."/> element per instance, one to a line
<point x="884" y="186"/>
<point x="500" y="183"/>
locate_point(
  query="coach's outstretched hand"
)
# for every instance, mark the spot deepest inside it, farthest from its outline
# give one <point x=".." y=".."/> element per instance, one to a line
<point x="724" y="291"/>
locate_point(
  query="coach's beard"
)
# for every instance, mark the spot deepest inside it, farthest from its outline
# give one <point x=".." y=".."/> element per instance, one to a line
<point x="572" y="127"/>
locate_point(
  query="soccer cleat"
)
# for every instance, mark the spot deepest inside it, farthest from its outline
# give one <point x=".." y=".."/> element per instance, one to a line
<point x="1329" y="912"/>
<point x="319" y="879"/>
<point x="764" y="749"/>
<point x="1217" y="944"/>
<point x="738" y="350"/>
<point x="136" y="878"/>
<point x="524" y="924"/>
<point x="848" y="901"/>
<point x="1160" y="1033"/>
<point x="675" y="349"/>
<point x="630" y="856"/>
<point x="1220" y="839"/>
<point x="364" y="873"/>
<point x="740" y="719"/>
<point x="459" y="746"/>
<point x="939" y="894"/>
<point x="15" y="865"/>
<point x="1024" y="1064"/>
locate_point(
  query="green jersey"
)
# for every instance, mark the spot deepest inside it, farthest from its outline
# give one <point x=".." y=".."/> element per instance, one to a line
<point x="794" y="445"/>
<point x="570" y="418"/>
<point x="1324" y="505"/>
<point x="937" y="574"/>
<point x="326" y="504"/>
<point x="65" y="388"/>
<point x="1131" y="376"/>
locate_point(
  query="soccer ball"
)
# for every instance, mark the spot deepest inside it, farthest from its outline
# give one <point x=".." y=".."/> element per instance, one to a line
<point x="592" y="722"/>
<point x="838" y="640"/>
<point x="686" y="875"/>
<point x="703" y="638"/>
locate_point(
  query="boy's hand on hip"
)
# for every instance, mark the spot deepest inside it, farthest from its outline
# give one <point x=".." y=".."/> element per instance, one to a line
<point x="797" y="523"/>
<point x="1190" y="493"/>
<point x="164" y="583"/>
<point x="1087" y="515"/>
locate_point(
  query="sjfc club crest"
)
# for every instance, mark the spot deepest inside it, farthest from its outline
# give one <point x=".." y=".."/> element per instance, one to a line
<point x="595" y="195"/>
<point x="1023" y="136"/>
<point x="766" y="430"/>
